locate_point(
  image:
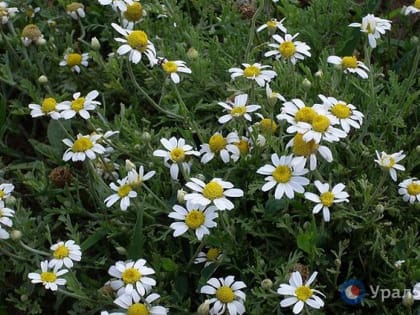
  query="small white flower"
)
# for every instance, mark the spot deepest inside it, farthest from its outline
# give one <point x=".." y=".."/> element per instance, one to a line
<point x="139" y="306"/>
<point x="135" y="43"/>
<point x="399" y="263"/>
<point x="48" y="107"/>
<point x="272" y="25"/>
<point x="74" y="60"/>
<point x="131" y="278"/>
<point x="374" y="27"/>
<point x="288" y="49"/>
<point x="214" y="192"/>
<point x="173" y="67"/>
<point x="285" y="173"/>
<point x="327" y="198"/>
<point x="272" y="97"/>
<point x="80" y="105"/>
<point x="389" y="162"/>
<point x="76" y="10"/>
<point x="194" y="217"/>
<point x="5" y="190"/>
<point x="299" y="294"/>
<point x="65" y="254"/>
<point x="254" y="72"/>
<point x="6" y="12"/>
<point x="224" y="146"/>
<point x="350" y="64"/>
<point x="410" y="190"/>
<point x="295" y="111"/>
<point x="5" y="215"/>
<point x="411" y="9"/>
<point x="82" y="147"/>
<point x="124" y="192"/>
<point x="132" y="14"/>
<point x="238" y="109"/>
<point x="116" y="4"/>
<point x="49" y="278"/>
<point x="208" y="257"/>
<point x="228" y="295"/>
<point x="136" y="178"/>
<point x="178" y="154"/>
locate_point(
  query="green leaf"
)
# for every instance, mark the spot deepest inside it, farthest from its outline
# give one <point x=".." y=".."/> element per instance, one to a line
<point x="306" y="241"/>
<point x="48" y="151"/>
<point x="93" y="239"/>
<point x="135" y="249"/>
<point x="56" y="132"/>
<point x="169" y="265"/>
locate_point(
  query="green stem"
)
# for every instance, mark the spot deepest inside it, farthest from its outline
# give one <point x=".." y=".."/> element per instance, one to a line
<point x="74" y="295"/>
<point x="136" y="250"/>
<point x="371" y="197"/>
<point x="6" y="252"/>
<point x="199" y="248"/>
<point x="160" y="201"/>
<point x="252" y="31"/>
<point x="33" y="250"/>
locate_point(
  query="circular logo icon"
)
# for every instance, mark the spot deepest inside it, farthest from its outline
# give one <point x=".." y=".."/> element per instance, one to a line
<point x="352" y="291"/>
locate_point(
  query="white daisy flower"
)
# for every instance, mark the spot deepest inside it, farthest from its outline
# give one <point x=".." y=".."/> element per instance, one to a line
<point x="5" y="190"/>
<point x="124" y="191"/>
<point x="116" y="4"/>
<point x="237" y="109"/>
<point x="139" y="306"/>
<point x="49" y="278"/>
<point x="131" y="278"/>
<point x="80" y="105"/>
<point x="288" y="49"/>
<point x="74" y="61"/>
<point x="244" y="145"/>
<point x="48" y="107"/>
<point x="133" y="14"/>
<point x="178" y="154"/>
<point x="285" y="173"/>
<point x="214" y="192"/>
<point x="6" y="12"/>
<point x="194" y="217"/>
<point x="389" y="162"/>
<point x="136" y="178"/>
<point x="350" y="64"/>
<point x="267" y="126"/>
<point x="4" y="235"/>
<point x="374" y="27"/>
<point x="272" y="25"/>
<point x="273" y="97"/>
<point x="346" y="114"/>
<point x="5" y="215"/>
<point x="32" y="34"/>
<point x="135" y="43"/>
<point x="64" y="253"/>
<point x="82" y="147"/>
<point x="254" y="72"/>
<point x="208" y="257"/>
<point x="295" y="111"/>
<point x="30" y="11"/>
<point x="225" y="147"/>
<point x="299" y="294"/>
<point x="327" y="198"/>
<point x="76" y="10"/>
<point x="173" y="67"/>
<point x="411" y="9"/>
<point x="228" y="295"/>
<point x="308" y="150"/>
<point x="410" y="190"/>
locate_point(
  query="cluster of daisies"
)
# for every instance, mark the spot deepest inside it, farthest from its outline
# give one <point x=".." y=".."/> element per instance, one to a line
<point x="6" y="214"/>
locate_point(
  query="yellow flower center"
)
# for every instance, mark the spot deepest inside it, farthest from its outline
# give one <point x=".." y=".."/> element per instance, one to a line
<point x="268" y="125"/>
<point x="238" y="111"/>
<point x="134" y="12"/>
<point x="124" y="190"/>
<point x="74" y="6"/>
<point x="138" y="40"/>
<point x="194" y="219"/>
<point x="349" y="62"/>
<point x="212" y="254"/>
<point x="417" y="4"/>
<point x="388" y="162"/>
<point x="303" y="148"/>
<point x="271" y="25"/>
<point x="282" y="174"/>
<point x="170" y="67"/>
<point x="213" y="190"/>
<point x="61" y="252"/>
<point x="327" y="198"/>
<point x="287" y="49"/>
<point x="225" y="294"/>
<point x="31" y="31"/>
<point x="320" y="123"/>
<point x="137" y="309"/>
<point x="303" y="293"/>
<point x="413" y="189"/>
<point x="217" y="142"/>
<point x="3" y="12"/>
<point x="29" y="12"/>
<point x="177" y="154"/>
<point x="131" y="275"/>
<point x="47" y="276"/>
<point x="78" y="104"/>
<point x="305" y="114"/>
<point x="74" y="59"/>
<point x="48" y="105"/>
<point x="2" y="194"/>
<point x="341" y="111"/>
<point x="243" y="146"/>
<point x="82" y="144"/>
<point x="370" y="28"/>
<point x="251" y="71"/>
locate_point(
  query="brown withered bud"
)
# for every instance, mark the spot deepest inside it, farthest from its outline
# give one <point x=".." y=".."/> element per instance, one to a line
<point x="303" y="270"/>
<point x="60" y="176"/>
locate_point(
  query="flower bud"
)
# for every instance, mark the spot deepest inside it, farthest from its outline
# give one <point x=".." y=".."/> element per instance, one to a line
<point x="95" y="44"/>
<point x="180" y="194"/>
<point x="399" y="263"/>
<point x="129" y="165"/>
<point x="192" y="53"/>
<point x="408" y="299"/>
<point x="15" y="235"/>
<point x="146" y="136"/>
<point x="319" y="73"/>
<point x="266" y="284"/>
<point x="418" y="149"/>
<point x="204" y="308"/>
<point x="414" y="40"/>
<point x="380" y="208"/>
<point x="23" y="297"/>
<point x="306" y="84"/>
<point x="43" y="79"/>
<point x="201" y="177"/>
<point x="121" y="250"/>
